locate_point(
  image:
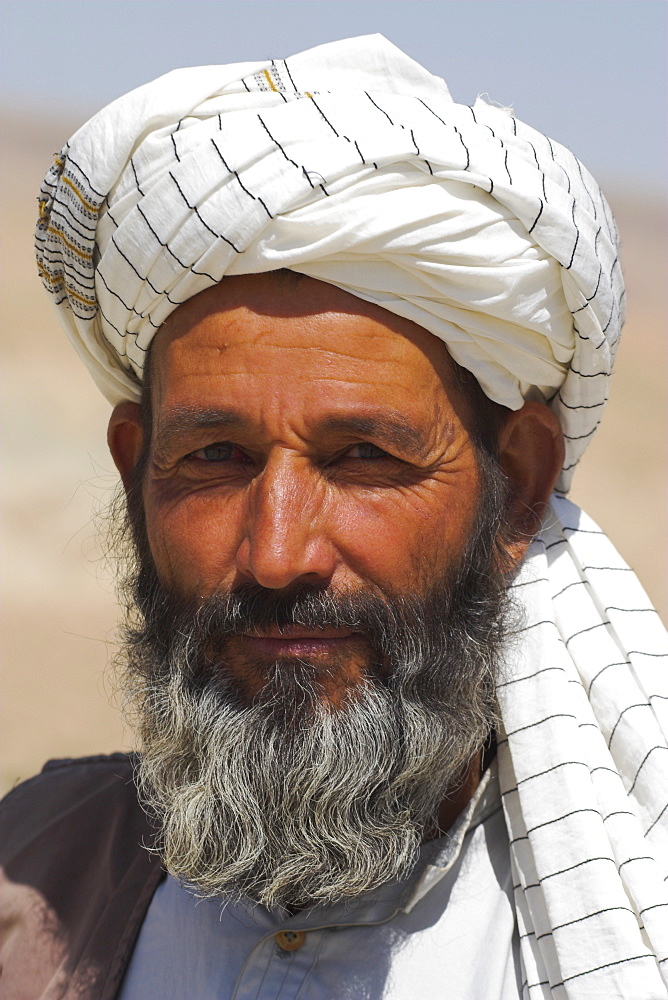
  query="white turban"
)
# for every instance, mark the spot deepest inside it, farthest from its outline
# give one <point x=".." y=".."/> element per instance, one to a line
<point x="352" y="164"/>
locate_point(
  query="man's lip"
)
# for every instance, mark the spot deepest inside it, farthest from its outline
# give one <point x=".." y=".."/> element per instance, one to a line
<point x="296" y="641"/>
<point x="299" y="632"/>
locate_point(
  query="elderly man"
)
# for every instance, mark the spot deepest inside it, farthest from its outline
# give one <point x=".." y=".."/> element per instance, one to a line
<point x="398" y="701"/>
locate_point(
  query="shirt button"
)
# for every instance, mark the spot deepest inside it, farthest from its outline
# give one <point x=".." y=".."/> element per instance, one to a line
<point x="290" y="940"/>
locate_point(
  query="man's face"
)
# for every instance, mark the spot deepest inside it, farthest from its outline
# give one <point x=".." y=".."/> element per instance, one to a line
<point x="319" y="610"/>
<point x="304" y="437"/>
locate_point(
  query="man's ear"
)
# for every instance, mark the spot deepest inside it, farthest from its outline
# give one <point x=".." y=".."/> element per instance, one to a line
<point x="125" y="437"/>
<point x="531" y="453"/>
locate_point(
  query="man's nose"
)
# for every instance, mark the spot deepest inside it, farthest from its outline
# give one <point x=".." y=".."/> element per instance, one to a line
<point x="286" y="539"/>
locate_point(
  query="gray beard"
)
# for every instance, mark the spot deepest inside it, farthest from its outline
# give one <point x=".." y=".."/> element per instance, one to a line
<point x="282" y="799"/>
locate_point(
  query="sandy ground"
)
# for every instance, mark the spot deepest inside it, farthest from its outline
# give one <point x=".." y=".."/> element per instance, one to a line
<point x="58" y="609"/>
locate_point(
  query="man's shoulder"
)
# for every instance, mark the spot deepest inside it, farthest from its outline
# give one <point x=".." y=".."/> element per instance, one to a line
<point x="79" y="768"/>
<point x="81" y="796"/>
<point x="99" y="775"/>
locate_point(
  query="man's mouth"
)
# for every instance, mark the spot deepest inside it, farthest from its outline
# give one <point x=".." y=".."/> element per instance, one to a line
<point x="298" y="641"/>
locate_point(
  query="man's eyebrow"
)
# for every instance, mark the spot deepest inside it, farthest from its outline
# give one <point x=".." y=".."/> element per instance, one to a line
<point x="393" y="429"/>
<point x="184" y="419"/>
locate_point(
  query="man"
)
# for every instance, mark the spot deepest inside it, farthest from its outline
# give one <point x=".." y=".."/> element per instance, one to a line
<point x="398" y="703"/>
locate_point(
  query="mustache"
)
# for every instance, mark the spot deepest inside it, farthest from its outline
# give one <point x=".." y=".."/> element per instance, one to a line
<point x="386" y="620"/>
<point x="410" y="638"/>
<point x="251" y="608"/>
<point x="195" y="633"/>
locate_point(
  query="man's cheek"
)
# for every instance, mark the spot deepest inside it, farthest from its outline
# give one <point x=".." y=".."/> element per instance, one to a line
<point x="193" y="541"/>
<point x="406" y="539"/>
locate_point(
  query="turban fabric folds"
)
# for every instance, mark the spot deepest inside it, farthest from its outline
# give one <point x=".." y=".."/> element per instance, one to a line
<point x="351" y="163"/>
<point x="462" y="219"/>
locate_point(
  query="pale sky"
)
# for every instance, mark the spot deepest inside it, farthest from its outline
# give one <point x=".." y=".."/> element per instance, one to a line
<point x="589" y="73"/>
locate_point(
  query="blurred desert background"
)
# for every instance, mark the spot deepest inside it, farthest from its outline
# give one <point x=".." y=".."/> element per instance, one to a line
<point x="58" y="607"/>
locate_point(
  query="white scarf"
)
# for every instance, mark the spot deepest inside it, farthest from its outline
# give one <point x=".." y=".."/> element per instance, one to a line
<point x="583" y="766"/>
<point x="351" y="163"/>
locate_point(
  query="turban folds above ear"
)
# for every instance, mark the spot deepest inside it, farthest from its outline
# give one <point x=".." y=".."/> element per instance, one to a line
<point x="462" y="219"/>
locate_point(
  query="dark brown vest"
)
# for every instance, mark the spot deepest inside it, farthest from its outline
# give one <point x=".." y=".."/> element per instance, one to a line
<point x="76" y="880"/>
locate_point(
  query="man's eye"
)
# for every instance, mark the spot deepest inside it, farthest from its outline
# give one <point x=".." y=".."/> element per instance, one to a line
<point x="221" y="451"/>
<point x="366" y="450"/>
